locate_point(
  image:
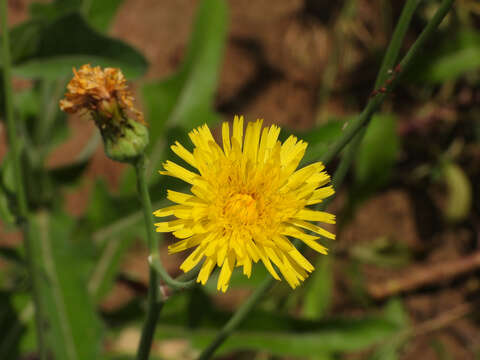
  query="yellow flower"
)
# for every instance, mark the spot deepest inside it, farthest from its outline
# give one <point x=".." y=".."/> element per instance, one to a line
<point x="247" y="201"/>
<point x="94" y="89"/>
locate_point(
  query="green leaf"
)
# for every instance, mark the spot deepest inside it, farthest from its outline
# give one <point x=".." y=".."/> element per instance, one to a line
<point x="382" y="251"/>
<point x="319" y="289"/>
<point x="318" y="138"/>
<point x="70" y="42"/>
<point x="99" y="14"/>
<point x="337" y="335"/>
<point x="459" y="193"/>
<point x="276" y="333"/>
<point x="69" y="173"/>
<point x="457" y="54"/>
<point x="73" y="328"/>
<point x="10" y="327"/>
<point x="26" y="37"/>
<point x="378" y="153"/>
<point x="325" y="133"/>
<point x="55" y="9"/>
<point x="185" y="100"/>
<point x="103" y="208"/>
<point x="11" y="254"/>
<point x="107" y="266"/>
<point x="389" y="350"/>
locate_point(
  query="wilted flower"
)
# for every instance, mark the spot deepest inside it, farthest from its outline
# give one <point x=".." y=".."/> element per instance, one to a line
<point x="247" y="201"/>
<point x="104" y="94"/>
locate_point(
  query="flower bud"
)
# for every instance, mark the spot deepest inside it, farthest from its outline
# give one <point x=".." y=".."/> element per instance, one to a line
<point x="128" y="146"/>
<point x="104" y="94"/>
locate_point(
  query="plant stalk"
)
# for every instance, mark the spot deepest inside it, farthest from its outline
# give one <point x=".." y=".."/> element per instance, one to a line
<point x="237" y="319"/>
<point x="155" y="301"/>
<point x="375" y="102"/>
<point x="21" y="198"/>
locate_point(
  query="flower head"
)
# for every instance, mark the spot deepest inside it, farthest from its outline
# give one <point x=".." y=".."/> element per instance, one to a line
<point x="95" y="89"/>
<point x="104" y="94"/>
<point x="247" y="201"/>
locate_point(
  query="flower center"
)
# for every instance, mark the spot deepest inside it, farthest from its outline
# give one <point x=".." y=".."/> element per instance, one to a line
<point x="241" y="208"/>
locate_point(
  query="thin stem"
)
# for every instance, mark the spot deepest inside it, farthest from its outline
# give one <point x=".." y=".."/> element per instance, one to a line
<point x="237" y="319"/>
<point x="375" y="102"/>
<point x="155" y="302"/>
<point x="153" y="311"/>
<point x="12" y="136"/>
<point x="23" y="213"/>
<point x="173" y="283"/>
<point x="356" y="127"/>
<point x="154" y="257"/>
<point x="397" y="40"/>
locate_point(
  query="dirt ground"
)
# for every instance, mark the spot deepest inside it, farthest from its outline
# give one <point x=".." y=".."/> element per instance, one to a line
<point x="274" y="68"/>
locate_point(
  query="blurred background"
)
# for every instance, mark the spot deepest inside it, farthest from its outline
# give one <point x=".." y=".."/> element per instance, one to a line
<point x="401" y="280"/>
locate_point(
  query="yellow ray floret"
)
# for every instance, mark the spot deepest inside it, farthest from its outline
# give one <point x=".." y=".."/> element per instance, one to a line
<point x="247" y="202"/>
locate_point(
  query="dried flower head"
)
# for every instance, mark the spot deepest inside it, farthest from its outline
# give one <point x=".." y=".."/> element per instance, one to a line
<point x="247" y="200"/>
<point x="94" y="89"/>
<point x="104" y="94"/>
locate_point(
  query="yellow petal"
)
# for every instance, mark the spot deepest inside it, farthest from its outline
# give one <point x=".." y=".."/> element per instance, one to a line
<point x="247" y="266"/>
<point x="193" y="259"/>
<point x="205" y="271"/>
<point x="177" y="171"/>
<point x="252" y="138"/>
<point x="266" y="261"/>
<point x="226" y="272"/>
<point x="314" y="215"/>
<point x="312" y="227"/>
<point x="186" y="244"/>
<point x="320" y="194"/>
<point x="226" y="138"/>
<point x="168" y="226"/>
<point x="238" y="130"/>
<point x="183" y="153"/>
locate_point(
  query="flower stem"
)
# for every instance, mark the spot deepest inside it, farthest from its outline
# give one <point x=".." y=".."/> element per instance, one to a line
<point x="22" y="204"/>
<point x="358" y="125"/>
<point x="155" y="302"/>
<point x="396" y="42"/>
<point x="236" y="319"/>
<point x="375" y="102"/>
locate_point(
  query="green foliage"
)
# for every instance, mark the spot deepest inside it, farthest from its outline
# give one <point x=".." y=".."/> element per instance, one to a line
<point x="382" y="252"/>
<point x="287" y="336"/>
<point x="457" y="55"/>
<point x="55" y="54"/>
<point x="11" y="328"/>
<point x="73" y="328"/>
<point x="99" y="14"/>
<point x="390" y="349"/>
<point x="185" y="100"/>
<point x="378" y="153"/>
<point x="319" y="289"/>
<point x="459" y="193"/>
<point x="318" y="138"/>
